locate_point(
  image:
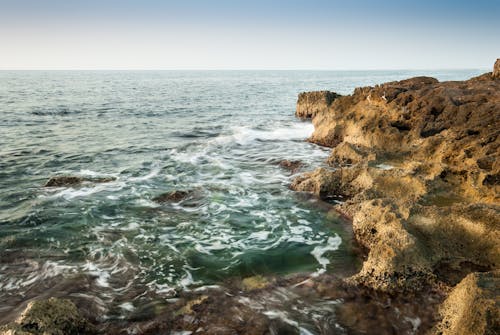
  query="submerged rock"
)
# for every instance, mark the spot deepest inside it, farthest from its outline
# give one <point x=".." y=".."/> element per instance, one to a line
<point x="292" y="166"/>
<point x="174" y="196"/>
<point x="49" y="317"/>
<point x="311" y="103"/>
<point x="254" y="283"/>
<point x="417" y="162"/>
<point x="62" y="181"/>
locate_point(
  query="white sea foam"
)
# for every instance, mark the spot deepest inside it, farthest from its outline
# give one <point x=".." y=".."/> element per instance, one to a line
<point x="71" y="193"/>
<point x="318" y="252"/>
<point x="127" y="306"/>
<point x="246" y="135"/>
<point x="102" y="276"/>
<point x="385" y="167"/>
<point x="90" y="173"/>
<point x="155" y="171"/>
<point x="261" y="235"/>
<point x="303" y="331"/>
<point x="283" y="316"/>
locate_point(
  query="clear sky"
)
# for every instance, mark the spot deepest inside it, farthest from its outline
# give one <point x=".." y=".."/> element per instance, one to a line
<point x="253" y="34"/>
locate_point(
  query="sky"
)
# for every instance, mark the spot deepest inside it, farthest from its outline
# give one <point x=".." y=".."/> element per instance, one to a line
<point x="253" y="34"/>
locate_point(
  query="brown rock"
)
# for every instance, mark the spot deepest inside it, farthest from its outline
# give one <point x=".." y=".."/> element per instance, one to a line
<point x="174" y="196"/>
<point x="311" y="103"/>
<point x="52" y="317"/>
<point x="292" y="166"/>
<point x="496" y="69"/>
<point x="418" y="165"/>
<point x="473" y="307"/>
<point x="348" y="154"/>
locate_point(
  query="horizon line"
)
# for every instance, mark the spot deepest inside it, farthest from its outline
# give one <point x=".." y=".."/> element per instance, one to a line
<point x="247" y="69"/>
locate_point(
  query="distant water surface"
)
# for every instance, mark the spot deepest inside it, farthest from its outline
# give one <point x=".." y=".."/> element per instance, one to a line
<point x="220" y="134"/>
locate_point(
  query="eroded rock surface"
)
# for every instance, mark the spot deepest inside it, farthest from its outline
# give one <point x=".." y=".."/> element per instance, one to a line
<point x="49" y="317"/>
<point x="417" y="162"/>
<point x="311" y="103"/>
<point x="473" y="307"/>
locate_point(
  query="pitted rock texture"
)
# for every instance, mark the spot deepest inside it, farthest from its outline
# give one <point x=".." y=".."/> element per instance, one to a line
<point x="49" y="317"/>
<point x="473" y="307"/>
<point x="417" y="163"/>
<point x="311" y="103"/>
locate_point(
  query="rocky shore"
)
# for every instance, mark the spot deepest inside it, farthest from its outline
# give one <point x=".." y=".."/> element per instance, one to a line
<point x="418" y="164"/>
<point x="415" y="168"/>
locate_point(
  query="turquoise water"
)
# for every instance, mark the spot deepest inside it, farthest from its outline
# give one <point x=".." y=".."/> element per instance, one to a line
<point x="220" y="134"/>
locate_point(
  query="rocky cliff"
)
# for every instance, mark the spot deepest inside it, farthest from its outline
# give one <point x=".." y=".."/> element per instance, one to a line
<point x="418" y="164"/>
<point x="496" y="69"/>
<point x="311" y="103"/>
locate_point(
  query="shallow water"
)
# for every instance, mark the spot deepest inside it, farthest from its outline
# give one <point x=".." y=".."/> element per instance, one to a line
<point x="218" y="133"/>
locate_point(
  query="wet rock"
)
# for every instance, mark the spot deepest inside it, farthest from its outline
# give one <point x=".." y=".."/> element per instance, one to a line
<point x="254" y="283"/>
<point x="63" y="181"/>
<point x="212" y="312"/>
<point x="292" y="166"/>
<point x="49" y="317"/>
<point x="366" y="311"/>
<point x="311" y="103"/>
<point x="472" y="307"/>
<point x="326" y="183"/>
<point x="190" y="307"/>
<point x="496" y="69"/>
<point x="174" y="196"/>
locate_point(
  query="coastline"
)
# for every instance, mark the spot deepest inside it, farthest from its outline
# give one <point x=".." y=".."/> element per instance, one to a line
<point x="417" y="161"/>
<point x="390" y="191"/>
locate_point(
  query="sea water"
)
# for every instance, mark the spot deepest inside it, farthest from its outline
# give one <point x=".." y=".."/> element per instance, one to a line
<point x="218" y="134"/>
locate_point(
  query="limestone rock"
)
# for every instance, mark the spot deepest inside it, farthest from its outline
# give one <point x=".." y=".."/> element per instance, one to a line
<point x="496" y="69"/>
<point x="49" y="317"/>
<point x="417" y="165"/>
<point x="473" y="307"/>
<point x="311" y="103"/>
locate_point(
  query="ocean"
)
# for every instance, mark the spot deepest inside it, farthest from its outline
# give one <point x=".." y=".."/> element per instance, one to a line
<point x="218" y="134"/>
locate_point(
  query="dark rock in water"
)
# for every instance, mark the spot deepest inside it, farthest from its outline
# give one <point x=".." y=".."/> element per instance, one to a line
<point x="174" y="196"/>
<point x="496" y="69"/>
<point x="52" y="317"/>
<point x="63" y="181"/>
<point x="210" y="313"/>
<point x="60" y="181"/>
<point x="292" y="166"/>
<point x="311" y="103"/>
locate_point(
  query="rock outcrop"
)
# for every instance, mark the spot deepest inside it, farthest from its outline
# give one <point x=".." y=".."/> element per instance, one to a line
<point x="49" y="317"/>
<point x="417" y="163"/>
<point x="292" y="166"/>
<point x="473" y="307"/>
<point x="496" y="69"/>
<point x="63" y="181"/>
<point x="311" y="103"/>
